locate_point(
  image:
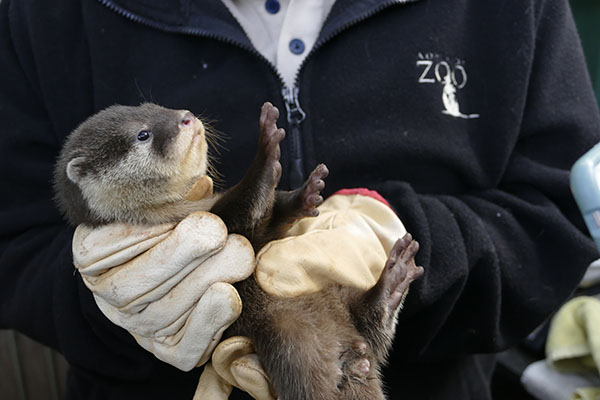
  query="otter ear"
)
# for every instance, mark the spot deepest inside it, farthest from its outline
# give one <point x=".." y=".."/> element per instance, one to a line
<point x="75" y="169"/>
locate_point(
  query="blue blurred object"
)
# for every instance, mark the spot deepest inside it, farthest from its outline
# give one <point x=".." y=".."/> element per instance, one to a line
<point x="585" y="185"/>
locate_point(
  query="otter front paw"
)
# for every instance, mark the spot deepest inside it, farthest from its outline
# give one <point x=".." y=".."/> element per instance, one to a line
<point x="268" y="144"/>
<point x="309" y="195"/>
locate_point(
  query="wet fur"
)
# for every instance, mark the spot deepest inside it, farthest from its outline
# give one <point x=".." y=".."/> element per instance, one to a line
<point x="310" y="345"/>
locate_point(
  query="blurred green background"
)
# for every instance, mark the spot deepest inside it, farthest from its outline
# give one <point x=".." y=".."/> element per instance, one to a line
<point x="587" y="17"/>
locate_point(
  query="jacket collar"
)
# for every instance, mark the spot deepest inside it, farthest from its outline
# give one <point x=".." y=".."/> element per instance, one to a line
<point x="208" y="18"/>
<point x="345" y="13"/>
<point x="211" y="18"/>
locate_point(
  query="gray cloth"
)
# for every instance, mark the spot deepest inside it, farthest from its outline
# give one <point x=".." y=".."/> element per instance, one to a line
<point x="545" y="383"/>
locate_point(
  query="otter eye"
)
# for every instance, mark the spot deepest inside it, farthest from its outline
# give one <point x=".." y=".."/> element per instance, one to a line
<point x="144" y="135"/>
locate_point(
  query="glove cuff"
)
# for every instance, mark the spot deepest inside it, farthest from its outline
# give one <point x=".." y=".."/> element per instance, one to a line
<point x="363" y="192"/>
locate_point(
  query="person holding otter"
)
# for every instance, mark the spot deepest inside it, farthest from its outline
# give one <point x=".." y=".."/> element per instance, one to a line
<point x="478" y="177"/>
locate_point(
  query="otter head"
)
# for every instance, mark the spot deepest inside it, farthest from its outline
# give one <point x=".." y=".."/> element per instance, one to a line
<point x="125" y="163"/>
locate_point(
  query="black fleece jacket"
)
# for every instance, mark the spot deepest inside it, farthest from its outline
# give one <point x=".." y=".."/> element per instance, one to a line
<point x="465" y="114"/>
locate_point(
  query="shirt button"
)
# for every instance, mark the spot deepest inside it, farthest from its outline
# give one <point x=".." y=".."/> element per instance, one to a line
<point x="296" y="46"/>
<point x="272" y="6"/>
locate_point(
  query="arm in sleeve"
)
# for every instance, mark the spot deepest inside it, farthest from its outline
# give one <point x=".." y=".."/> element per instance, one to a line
<point x="499" y="261"/>
<point x="40" y="293"/>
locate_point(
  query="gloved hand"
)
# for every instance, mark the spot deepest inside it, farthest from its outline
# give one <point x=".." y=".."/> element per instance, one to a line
<point x="234" y="363"/>
<point x="168" y="285"/>
<point x="348" y="244"/>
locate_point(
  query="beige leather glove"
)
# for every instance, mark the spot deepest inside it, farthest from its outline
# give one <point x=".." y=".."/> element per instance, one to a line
<point x="348" y="244"/>
<point x="168" y="285"/>
<point x="234" y="363"/>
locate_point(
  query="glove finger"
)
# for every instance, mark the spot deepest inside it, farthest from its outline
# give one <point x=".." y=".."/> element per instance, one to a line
<point x="251" y="377"/>
<point x="96" y="250"/>
<point x="234" y="263"/>
<point x="201" y="189"/>
<point x="193" y="344"/>
<point x="235" y="362"/>
<point x="211" y="386"/>
<point x="227" y="352"/>
<point x="158" y="270"/>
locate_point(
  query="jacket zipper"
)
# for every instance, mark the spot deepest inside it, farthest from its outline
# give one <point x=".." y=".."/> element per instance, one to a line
<point x="295" y="113"/>
<point x="295" y="116"/>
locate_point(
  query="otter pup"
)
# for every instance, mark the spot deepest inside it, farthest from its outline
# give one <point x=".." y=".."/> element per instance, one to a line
<point x="136" y="164"/>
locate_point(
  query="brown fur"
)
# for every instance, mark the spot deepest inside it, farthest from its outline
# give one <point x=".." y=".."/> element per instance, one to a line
<point x="314" y="346"/>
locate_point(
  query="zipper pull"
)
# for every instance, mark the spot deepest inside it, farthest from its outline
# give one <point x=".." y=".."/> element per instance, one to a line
<point x="295" y="115"/>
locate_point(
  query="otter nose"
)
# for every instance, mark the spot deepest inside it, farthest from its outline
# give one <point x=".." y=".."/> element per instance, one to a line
<point x="188" y="118"/>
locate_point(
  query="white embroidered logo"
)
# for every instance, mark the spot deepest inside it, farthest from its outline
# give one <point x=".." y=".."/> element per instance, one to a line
<point x="438" y="69"/>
